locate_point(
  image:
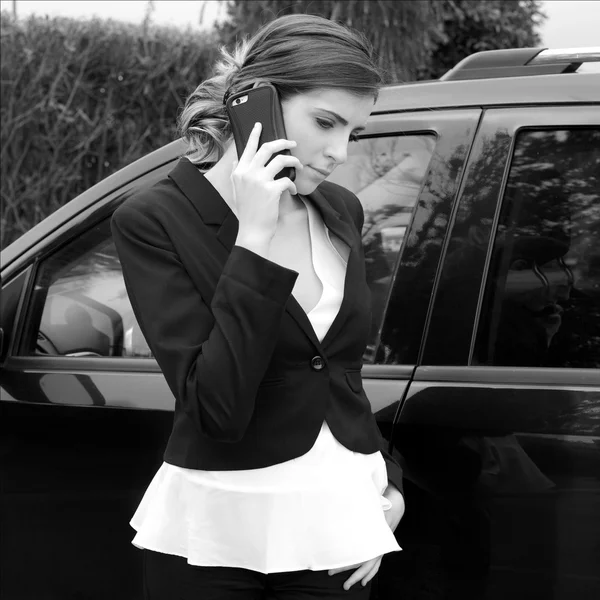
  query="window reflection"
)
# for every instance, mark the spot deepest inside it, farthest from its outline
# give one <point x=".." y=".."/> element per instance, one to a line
<point x="85" y="310"/>
<point x="386" y="174"/>
<point x="543" y="295"/>
<point x="81" y="296"/>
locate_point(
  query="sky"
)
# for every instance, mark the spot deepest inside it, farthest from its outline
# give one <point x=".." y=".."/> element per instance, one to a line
<point x="166" y="12"/>
<point x="570" y="23"/>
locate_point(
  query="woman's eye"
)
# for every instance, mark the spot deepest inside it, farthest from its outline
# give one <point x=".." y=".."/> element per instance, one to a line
<point x="520" y="264"/>
<point x="324" y="124"/>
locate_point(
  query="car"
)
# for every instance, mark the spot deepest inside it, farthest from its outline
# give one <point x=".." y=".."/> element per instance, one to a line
<point x="481" y="194"/>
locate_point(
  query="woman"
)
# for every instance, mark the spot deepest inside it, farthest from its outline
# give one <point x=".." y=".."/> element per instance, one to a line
<point x="251" y="293"/>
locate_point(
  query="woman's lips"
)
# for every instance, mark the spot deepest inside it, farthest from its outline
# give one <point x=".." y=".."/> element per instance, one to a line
<point x="323" y="173"/>
<point x="550" y="313"/>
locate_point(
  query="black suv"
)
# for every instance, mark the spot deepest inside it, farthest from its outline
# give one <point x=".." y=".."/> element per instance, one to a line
<point x="481" y="194"/>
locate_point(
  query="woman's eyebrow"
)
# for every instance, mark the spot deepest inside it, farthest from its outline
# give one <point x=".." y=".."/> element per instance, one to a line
<point x="339" y="118"/>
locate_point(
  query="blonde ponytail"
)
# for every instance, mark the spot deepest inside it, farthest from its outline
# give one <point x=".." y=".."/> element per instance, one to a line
<point x="203" y="122"/>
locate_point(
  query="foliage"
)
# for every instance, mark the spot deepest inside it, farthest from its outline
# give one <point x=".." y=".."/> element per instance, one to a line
<point x="414" y="39"/>
<point x="80" y="100"/>
<point x="471" y="26"/>
<point x="407" y="29"/>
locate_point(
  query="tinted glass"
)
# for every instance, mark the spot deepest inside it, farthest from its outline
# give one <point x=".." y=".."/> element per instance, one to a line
<point x="386" y="174"/>
<point x="81" y="297"/>
<point x="81" y="304"/>
<point x="542" y="300"/>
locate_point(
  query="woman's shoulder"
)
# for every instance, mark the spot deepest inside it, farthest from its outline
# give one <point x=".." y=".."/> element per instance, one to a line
<point x="152" y="201"/>
<point x="152" y="213"/>
<point x="165" y="202"/>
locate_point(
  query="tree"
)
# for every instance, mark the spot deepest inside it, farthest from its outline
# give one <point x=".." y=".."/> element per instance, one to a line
<point x="414" y="39"/>
<point x="470" y="26"/>
<point x="407" y="29"/>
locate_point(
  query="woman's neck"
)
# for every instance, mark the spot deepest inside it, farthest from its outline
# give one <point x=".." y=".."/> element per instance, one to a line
<point x="219" y="175"/>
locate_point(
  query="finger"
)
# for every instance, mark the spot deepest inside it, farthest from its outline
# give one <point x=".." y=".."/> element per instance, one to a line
<point x="371" y="573"/>
<point x="285" y="183"/>
<point x="252" y="144"/>
<point x="361" y="572"/>
<point x="269" y="148"/>
<point x="281" y="161"/>
<point x="342" y="569"/>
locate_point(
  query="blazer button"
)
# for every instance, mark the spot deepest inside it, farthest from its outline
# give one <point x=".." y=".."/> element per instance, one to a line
<point x="317" y="363"/>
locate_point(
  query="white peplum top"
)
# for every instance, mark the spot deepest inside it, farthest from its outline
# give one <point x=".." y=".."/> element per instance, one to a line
<point x="319" y="511"/>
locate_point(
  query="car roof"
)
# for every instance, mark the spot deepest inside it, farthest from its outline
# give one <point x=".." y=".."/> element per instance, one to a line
<point x="564" y="88"/>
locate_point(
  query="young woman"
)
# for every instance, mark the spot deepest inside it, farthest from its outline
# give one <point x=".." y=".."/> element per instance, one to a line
<point x="251" y="293"/>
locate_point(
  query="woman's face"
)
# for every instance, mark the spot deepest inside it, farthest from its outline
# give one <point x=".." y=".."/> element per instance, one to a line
<point x="539" y="289"/>
<point x="322" y="123"/>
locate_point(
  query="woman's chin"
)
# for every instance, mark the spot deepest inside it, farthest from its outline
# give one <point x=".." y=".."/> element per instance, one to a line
<point x="305" y="186"/>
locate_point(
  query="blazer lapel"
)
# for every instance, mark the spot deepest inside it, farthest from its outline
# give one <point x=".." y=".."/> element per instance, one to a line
<point x="228" y="230"/>
<point x="297" y="313"/>
<point x="344" y="231"/>
<point x="352" y="273"/>
<point x="332" y="218"/>
<point x="212" y="209"/>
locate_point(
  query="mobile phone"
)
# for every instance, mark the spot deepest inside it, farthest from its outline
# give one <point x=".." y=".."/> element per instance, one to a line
<point x="259" y="104"/>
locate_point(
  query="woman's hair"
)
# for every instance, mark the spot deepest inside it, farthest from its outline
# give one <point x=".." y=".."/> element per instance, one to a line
<point x="297" y="54"/>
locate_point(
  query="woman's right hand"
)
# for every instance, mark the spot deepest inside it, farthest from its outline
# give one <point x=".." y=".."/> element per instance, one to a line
<point x="257" y="192"/>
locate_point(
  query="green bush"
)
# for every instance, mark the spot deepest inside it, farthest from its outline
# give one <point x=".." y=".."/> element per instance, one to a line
<point x="80" y="100"/>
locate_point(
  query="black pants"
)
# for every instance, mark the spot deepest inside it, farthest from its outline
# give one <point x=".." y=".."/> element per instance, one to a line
<point x="169" y="577"/>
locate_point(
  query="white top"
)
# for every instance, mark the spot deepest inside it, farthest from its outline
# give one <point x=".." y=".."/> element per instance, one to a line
<point x="319" y="511"/>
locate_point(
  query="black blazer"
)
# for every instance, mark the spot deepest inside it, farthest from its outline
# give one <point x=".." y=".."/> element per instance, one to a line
<point x="252" y="383"/>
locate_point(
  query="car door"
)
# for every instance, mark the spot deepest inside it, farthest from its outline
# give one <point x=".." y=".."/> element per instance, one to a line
<point x="85" y="411"/>
<point x="500" y="431"/>
<point x="405" y="171"/>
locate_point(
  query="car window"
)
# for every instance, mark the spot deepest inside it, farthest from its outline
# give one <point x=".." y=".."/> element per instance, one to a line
<point x="386" y="174"/>
<point x="542" y="299"/>
<point x="81" y="303"/>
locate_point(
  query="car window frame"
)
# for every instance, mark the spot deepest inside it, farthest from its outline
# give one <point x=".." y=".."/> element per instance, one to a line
<point x="37" y="304"/>
<point x="455" y="131"/>
<point x="75" y="224"/>
<point x="369" y="136"/>
<point x="511" y="122"/>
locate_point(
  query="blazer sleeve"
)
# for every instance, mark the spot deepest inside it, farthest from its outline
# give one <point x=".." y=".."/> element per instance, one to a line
<point x="394" y="470"/>
<point x="213" y="357"/>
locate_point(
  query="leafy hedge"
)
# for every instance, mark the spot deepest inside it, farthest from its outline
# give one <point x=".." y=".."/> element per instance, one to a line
<point x="80" y="100"/>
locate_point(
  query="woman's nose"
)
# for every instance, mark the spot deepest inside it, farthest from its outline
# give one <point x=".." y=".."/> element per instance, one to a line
<point x="338" y="151"/>
<point x="560" y="280"/>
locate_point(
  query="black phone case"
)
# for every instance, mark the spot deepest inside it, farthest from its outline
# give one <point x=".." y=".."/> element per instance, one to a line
<point x="262" y="105"/>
